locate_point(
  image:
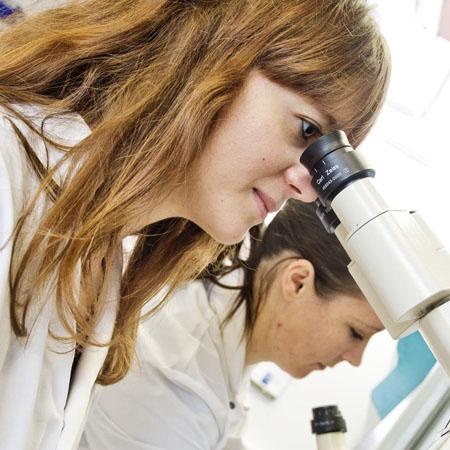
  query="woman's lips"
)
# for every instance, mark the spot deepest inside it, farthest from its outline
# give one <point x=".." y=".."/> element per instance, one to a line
<point x="260" y="204"/>
<point x="265" y="203"/>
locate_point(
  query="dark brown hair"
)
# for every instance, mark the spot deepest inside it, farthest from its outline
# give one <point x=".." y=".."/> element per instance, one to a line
<point x="295" y="232"/>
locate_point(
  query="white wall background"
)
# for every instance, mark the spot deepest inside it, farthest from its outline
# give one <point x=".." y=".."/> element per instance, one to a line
<point x="410" y="148"/>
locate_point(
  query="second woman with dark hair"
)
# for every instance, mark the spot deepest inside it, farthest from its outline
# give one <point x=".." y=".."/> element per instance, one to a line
<point x="292" y="302"/>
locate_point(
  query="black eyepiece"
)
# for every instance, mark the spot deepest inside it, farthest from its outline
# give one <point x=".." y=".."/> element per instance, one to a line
<point x="327" y="419"/>
<point x="322" y="147"/>
<point x="333" y="165"/>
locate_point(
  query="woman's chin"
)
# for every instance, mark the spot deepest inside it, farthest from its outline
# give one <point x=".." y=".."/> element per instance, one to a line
<point x="228" y="236"/>
<point x="231" y="240"/>
<point x="300" y="372"/>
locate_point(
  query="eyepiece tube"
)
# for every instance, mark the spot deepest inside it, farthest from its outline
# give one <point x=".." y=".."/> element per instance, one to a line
<point x="333" y="165"/>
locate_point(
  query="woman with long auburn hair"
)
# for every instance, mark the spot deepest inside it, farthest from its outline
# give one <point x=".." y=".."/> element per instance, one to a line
<point x="178" y="122"/>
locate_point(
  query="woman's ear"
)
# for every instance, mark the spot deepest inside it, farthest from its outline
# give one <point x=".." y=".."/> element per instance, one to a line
<point x="297" y="279"/>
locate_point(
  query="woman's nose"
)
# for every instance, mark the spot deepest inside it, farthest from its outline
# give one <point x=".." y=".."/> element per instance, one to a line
<point x="354" y="354"/>
<point x="298" y="179"/>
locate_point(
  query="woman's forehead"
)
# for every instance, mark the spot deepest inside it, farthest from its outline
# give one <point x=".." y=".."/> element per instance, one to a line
<point x="328" y="113"/>
<point x="358" y="310"/>
<point x="343" y="111"/>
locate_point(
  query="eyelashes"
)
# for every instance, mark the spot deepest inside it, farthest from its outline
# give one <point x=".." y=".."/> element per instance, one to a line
<point x="309" y="130"/>
<point x="355" y="335"/>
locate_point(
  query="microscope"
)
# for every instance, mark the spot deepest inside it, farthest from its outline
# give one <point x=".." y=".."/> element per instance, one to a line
<point x="399" y="264"/>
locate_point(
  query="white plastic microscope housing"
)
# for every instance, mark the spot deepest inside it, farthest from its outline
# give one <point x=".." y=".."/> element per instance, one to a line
<point x="398" y="262"/>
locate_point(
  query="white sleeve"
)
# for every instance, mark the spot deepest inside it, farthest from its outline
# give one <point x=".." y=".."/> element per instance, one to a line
<point x="151" y="411"/>
<point x="10" y="206"/>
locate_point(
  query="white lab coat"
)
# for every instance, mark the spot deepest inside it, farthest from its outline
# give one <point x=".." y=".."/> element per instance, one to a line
<point x="186" y="392"/>
<point x="37" y="411"/>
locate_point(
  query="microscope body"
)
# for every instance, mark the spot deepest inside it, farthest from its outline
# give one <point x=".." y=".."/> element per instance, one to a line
<point x="399" y="264"/>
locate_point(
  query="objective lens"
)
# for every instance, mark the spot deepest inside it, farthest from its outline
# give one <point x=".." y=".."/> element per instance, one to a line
<point x="333" y="165"/>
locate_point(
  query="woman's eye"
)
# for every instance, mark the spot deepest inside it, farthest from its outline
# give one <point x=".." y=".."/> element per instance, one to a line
<point x="355" y="335"/>
<point x="309" y="130"/>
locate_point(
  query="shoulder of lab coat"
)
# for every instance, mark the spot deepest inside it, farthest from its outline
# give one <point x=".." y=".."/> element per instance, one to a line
<point x="179" y="396"/>
<point x="34" y="378"/>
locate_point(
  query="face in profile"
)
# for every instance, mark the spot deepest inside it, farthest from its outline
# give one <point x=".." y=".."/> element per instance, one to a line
<point x="250" y="165"/>
<point x="305" y="332"/>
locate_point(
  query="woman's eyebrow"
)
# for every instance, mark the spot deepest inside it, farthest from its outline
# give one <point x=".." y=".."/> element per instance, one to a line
<point x="371" y="327"/>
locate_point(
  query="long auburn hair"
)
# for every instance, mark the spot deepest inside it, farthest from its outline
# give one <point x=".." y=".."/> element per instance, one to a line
<point x="151" y="78"/>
